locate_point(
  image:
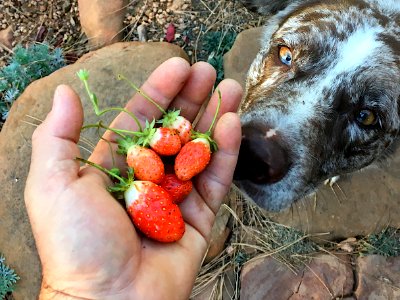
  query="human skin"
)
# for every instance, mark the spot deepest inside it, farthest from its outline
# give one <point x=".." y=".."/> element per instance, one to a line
<point x="87" y="245"/>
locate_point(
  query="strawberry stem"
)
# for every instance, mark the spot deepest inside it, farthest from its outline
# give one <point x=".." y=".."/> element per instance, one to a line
<point x="208" y="132"/>
<point x="138" y="90"/>
<point x="84" y="76"/>
<point x="106" y="171"/>
<point x="120" y="132"/>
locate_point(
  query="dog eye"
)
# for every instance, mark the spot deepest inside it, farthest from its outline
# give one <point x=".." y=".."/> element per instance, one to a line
<point x="285" y="55"/>
<point x="366" y="117"/>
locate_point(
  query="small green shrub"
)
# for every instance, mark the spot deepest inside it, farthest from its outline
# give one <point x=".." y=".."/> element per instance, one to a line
<point x="216" y="44"/>
<point x="25" y="66"/>
<point x="386" y="243"/>
<point x="8" y="278"/>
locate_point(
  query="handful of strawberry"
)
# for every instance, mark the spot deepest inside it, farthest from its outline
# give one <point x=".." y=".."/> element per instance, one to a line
<point x="154" y="187"/>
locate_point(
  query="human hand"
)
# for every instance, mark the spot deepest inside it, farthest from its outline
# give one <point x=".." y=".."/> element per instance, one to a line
<point x="88" y="247"/>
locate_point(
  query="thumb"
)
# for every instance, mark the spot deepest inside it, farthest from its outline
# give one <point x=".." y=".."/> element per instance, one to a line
<point x="54" y="145"/>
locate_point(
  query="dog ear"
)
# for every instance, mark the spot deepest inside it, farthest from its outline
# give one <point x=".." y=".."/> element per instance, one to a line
<point x="266" y="7"/>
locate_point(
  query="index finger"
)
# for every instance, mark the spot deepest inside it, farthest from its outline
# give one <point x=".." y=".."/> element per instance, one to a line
<point x="162" y="86"/>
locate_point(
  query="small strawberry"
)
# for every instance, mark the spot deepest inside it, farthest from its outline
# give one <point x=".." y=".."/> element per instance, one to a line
<point x="153" y="212"/>
<point x="147" y="164"/>
<point x="172" y="119"/>
<point x="177" y="188"/>
<point x="196" y="154"/>
<point x="193" y="158"/>
<point x="149" y="206"/>
<point x="165" y="141"/>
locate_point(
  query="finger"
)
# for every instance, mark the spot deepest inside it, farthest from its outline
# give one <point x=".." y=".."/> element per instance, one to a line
<point x="212" y="185"/>
<point x="196" y="90"/>
<point x="54" y="143"/>
<point x="162" y="86"/>
<point x="231" y="93"/>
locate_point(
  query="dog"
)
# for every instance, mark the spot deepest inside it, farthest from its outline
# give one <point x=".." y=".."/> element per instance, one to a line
<point x="322" y="96"/>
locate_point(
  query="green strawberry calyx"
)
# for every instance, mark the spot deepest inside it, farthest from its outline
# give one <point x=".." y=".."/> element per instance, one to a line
<point x="169" y="117"/>
<point x="207" y="135"/>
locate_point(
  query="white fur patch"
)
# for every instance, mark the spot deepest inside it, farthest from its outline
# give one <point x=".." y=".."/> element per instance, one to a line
<point x="352" y="53"/>
<point x="270" y="133"/>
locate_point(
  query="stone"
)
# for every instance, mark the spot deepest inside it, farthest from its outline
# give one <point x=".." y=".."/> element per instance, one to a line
<point x="142" y="33"/>
<point x="136" y="61"/>
<point x="6" y="38"/>
<point x="360" y="203"/>
<point x="219" y="234"/>
<point x="102" y="21"/>
<point x="326" y="277"/>
<point x="177" y="5"/>
<point x="378" y="277"/>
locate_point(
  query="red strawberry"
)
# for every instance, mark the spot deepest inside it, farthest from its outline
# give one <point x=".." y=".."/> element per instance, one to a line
<point x="192" y="159"/>
<point x="165" y="141"/>
<point x="196" y="154"/>
<point x="153" y="212"/>
<point x="145" y="162"/>
<point x="149" y="206"/>
<point x="177" y="188"/>
<point x="172" y="119"/>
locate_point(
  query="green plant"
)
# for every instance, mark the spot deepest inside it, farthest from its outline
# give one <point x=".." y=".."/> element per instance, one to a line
<point x="386" y="243"/>
<point x="8" y="278"/>
<point x="26" y="65"/>
<point x="216" y="44"/>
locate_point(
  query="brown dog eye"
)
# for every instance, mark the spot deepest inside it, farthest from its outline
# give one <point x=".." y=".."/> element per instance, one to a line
<point x="285" y="55"/>
<point x="366" y="117"/>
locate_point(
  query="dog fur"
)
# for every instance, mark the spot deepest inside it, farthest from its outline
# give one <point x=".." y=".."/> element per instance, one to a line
<point x="344" y="65"/>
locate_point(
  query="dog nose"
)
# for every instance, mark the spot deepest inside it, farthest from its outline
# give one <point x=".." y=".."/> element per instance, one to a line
<point x="262" y="158"/>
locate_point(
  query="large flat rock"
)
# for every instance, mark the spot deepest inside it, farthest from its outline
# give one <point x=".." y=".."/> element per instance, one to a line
<point x="326" y="277"/>
<point x="134" y="60"/>
<point x="361" y="203"/>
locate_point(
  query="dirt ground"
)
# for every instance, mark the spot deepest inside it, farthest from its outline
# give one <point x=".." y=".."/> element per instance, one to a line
<point x="57" y="23"/>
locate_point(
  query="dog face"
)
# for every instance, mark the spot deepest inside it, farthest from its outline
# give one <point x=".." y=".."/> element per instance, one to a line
<point x="322" y="96"/>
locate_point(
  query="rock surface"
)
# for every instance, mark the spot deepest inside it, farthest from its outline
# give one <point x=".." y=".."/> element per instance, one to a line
<point x="326" y="277"/>
<point x="378" y="277"/>
<point x="102" y="21"/>
<point x="6" y="38"/>
<point x="134" y="60"/>
<point x="219" y="234"/>
<point x="362" y="203"/>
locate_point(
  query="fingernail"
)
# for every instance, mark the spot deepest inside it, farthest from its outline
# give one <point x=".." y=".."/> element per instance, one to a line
<point x="57" y="98"/>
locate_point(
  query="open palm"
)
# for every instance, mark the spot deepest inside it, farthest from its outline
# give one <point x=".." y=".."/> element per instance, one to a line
<point x="86" y="242"/>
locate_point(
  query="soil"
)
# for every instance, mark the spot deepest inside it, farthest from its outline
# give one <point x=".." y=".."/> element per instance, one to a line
<point x="57" y="23"/>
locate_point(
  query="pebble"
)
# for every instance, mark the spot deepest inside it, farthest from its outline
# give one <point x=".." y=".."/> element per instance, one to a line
<point x="31" y="14"/>
<point x="142" y="33"/>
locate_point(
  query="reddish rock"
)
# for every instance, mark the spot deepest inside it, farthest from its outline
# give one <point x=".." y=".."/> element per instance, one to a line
<point x="6" y="37"/>
<point x="326" y="277"/>
<point x="378" y="278"/>
<point x="102" y="21"/>
<point x="219" y="234"/>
